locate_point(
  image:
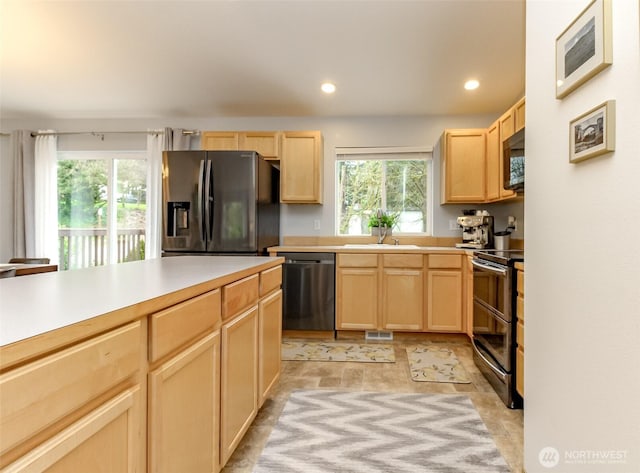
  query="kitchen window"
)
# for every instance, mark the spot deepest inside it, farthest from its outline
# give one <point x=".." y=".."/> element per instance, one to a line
<point x="101" y="208"/>
<point x="396" y="180"/>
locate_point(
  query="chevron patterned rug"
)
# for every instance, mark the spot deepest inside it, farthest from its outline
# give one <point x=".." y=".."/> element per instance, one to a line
<point x="337" y="351"/>
<point x="367" y="432"/>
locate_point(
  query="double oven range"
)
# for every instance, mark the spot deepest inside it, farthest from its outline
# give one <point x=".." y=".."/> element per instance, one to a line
<point x="494" y="320"/>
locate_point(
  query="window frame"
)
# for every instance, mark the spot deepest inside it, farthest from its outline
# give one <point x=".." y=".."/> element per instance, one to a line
<point x="384" y="153"/>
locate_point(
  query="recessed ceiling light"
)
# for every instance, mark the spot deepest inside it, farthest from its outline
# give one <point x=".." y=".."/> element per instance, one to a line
<point x="471" y="84"/>
<point x="328" y="88"/>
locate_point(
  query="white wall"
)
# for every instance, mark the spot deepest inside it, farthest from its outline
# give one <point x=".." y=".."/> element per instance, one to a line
<point x="338" y="132"/>
<point x="582" y="302"/>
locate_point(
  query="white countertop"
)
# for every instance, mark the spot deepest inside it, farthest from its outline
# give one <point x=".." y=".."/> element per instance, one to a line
<point x="35" y="304"/>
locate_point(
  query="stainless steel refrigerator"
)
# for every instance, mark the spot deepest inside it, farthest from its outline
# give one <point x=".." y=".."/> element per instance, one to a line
<point x="219" y="202"/>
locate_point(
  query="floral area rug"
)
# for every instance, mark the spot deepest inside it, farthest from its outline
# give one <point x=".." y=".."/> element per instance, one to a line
<point x="337" y="351"/>
<point x="436" y="364"/>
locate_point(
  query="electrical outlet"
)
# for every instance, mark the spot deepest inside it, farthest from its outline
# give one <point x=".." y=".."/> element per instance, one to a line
<point x="512" y="222"/>
<point x="453" y="225"/>
<point x="316" y="224"/>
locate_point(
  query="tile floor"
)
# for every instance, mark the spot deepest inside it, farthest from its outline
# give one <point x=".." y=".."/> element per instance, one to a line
<point x="505" y="425"/>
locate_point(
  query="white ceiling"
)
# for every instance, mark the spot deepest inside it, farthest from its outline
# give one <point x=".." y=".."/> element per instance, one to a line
<point x="125" y="59"/>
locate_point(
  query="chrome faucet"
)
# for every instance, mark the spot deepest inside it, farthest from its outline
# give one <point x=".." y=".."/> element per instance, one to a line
<point x="382" y="234"/>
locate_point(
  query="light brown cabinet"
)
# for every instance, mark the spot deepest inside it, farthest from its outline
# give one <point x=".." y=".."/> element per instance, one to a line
<point x="269" y="331"/>
<point x="250" y="356"/>
<point x="357" y="292"/>
<point x="267" y="143"/>
<point x="184" y="388"/>
<point x="444" y="293"/>
<point x="402" y="292"/>
<point x="520" y="332"/>
<point x="472" y="168"/>
<point x="301" y="167"/>
<point x="380" y="292"/>
<point x="87" y="396"/>
<point x="463" y="166"/>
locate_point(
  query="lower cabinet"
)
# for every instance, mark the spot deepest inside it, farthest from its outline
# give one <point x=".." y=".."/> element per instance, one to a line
<point x="380" y="292"/>
<point x="239" y="382"/>
<point x="520" y="331"/>
<point x="403" y="292"/>
<point x="444" y="293"/>
<point x="82" y="408"/>
<point x="269" y="343"/>
<point x="173" y="391"/>
<point x="183" y="394"/>
<point x="357" y="292"/>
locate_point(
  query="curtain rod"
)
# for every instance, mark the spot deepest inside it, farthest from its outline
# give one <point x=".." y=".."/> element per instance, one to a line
<point x="102" y="133"/>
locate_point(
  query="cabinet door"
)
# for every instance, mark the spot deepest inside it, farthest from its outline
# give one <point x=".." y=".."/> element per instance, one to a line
<point x="107" y="439"/>
<point x="402" y="299"/>
<point x="507" y="125"/>
<point x="267" y="143"/>
<point x="184" y="393"/>
<point x="468" y="297"/>
<point x="444" y="306"/>
<point x="269" y="344"/>
<point x="220" y="140"/>
<point x="239" y="380"/>
<point x="494" y="162"/>
<point x="464" y="166"/>
<point x="357" y="299"/>
<point x="301" y="167"/>
<point x="518" y="113"/>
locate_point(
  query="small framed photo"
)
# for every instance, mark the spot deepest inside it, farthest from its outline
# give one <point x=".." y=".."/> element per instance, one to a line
<point x="593" y="133"/>
<point x="584" y="48"/>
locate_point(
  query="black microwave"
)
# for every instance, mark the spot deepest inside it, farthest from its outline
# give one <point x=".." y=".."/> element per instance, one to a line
<point x="513" y="148"/>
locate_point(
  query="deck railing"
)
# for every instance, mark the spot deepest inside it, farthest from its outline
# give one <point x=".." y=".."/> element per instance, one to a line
<point x="85" y="247"/>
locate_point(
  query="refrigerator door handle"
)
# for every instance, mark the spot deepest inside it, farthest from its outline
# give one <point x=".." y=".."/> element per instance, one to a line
<point x="201" y="204"/>
<point x="208" y="189"/>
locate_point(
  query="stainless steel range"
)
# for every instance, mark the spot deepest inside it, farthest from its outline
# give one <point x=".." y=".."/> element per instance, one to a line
<point x="494" y="320"/>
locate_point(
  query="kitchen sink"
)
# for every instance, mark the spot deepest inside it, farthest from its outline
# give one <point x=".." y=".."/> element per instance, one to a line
<point x="386" y="246"/>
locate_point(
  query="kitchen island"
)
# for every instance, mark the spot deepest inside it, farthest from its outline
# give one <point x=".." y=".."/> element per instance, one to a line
<point x="172" y="356"/>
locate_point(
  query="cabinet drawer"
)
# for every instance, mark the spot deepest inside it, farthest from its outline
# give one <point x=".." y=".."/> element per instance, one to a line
<point x="520" y="333"/>
<point x="38" y="394"/>
<point x="270" y="279"/>
<point x="239" y="295"/>
<point x="520" y="307"/>
<point x="402" y="261"/>
<point x="358" y="260"/>
<point x="175" y="326"/>
<point x="445" y="261"/>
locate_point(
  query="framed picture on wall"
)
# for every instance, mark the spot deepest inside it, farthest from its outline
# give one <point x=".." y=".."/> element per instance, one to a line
<point x="593" y="133"/>
<point x="584" y="47"/>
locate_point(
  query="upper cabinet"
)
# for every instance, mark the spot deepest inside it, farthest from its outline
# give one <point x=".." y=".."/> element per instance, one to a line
<point x="267" y="143"/>
<point x="463" y="166"/>
<point x="472" y="169"/>
<point x="300" y="154"/>
<point x="301" y="167"/>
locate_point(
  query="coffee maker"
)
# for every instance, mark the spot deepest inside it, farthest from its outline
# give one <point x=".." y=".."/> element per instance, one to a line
<point x="477" y="229"/>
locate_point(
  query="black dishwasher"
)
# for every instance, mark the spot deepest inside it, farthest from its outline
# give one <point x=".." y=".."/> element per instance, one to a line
<point x="308" y="286"/>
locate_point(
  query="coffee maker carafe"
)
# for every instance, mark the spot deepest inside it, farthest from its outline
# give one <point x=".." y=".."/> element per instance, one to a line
<point x="477" y="230"/>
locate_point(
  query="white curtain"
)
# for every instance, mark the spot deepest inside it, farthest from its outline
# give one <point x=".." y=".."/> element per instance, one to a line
<point x="158" y="141"/>
<point x="22" y="148"/>
<point x="46" y="196"/>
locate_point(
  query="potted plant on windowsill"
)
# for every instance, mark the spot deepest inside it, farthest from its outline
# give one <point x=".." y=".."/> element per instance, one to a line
<point x="383" y="220"/>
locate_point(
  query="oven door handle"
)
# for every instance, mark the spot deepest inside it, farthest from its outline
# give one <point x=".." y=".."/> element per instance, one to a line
<point x="490" y="268"/>
<point x="497" y="370"/>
